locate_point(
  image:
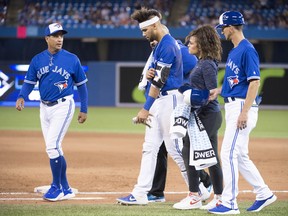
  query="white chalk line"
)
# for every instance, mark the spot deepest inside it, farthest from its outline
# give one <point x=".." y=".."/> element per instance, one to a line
<point x="38" y="199"/>
<point x="92" y="193"/>
<point x="115" y="193"/>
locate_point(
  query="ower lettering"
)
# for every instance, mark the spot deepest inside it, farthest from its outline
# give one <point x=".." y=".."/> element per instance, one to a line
<point x="204" y="154"/>
<point x="181" y="121"/>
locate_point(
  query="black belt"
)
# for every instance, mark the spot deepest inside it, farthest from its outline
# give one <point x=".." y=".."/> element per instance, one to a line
<point x="229" y="99"/>
<point x="255" y="103"/>
<point x="53" y="103"/>
<point x="164" y="93"/>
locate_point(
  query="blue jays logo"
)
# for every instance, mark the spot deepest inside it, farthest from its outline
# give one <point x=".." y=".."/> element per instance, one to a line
<point x="232" y="80"/>
<point x="61" y="85"/>
<point x="224" y="17"/>
<point x="57" y="25"/>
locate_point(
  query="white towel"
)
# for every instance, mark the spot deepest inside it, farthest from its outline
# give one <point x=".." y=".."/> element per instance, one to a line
<point x="179" y="121"/>
<point x="202" y="154"/>
<point x="143" y="80"/>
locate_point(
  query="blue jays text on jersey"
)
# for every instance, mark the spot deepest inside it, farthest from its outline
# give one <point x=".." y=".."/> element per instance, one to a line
<point x="242" y="65"/>
<point x="46" y="69"/>
<point x="232" y="66"/>
<point x="57" y="74"/>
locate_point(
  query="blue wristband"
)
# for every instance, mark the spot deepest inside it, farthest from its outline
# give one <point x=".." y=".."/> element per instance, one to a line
<point x="149" y="101"/>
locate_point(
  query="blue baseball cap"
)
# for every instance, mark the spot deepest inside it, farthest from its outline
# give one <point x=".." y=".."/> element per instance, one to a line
<point x="229" y="18"/>
<point x="53" y="28"/>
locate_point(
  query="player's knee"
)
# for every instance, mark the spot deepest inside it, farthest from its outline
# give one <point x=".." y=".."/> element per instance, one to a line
<point x="54" y="153"/>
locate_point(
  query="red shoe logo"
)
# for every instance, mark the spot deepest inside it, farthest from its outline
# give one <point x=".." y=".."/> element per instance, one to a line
<point x="194" y="201"/>
<point x="218" y="203"/>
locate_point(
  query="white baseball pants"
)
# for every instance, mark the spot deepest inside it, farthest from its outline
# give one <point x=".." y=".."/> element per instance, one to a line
<point x="161" y="112"/>
<point x="235" y="158"/>
<point x="55" y="121"/>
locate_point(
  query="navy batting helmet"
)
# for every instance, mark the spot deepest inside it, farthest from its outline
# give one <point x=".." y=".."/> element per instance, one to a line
<point x="229" y="18"/>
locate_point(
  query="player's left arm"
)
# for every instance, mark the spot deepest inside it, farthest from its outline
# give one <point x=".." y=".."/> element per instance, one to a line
<point x="80" y="80"/>
<point x="251" y="62"/>
<point x="250" y="98"/>
<point x="83" y="93"/>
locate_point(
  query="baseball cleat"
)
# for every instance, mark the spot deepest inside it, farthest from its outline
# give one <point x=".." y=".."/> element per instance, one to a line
<point x="53" y="194"/>
<point x="258" y="205"/>
<point x="152" y="198"/>
<point x="223" y="210"/>
<point x="189" y="202"/>
<point x="68" y="194"/>
<point x="131" y="200"/>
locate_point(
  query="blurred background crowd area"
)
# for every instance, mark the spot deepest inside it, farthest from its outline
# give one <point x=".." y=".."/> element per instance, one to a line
<point x="264" y="14"/>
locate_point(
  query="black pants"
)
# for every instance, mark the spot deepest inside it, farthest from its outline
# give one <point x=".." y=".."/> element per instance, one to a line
<point x="212" y="122"/>
<point x="159" y="180"/>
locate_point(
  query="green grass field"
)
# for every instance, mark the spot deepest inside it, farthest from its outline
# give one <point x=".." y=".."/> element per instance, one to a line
<point x="118" y="120"/>
<point x="157" y="209"/>
<point x="271" y="123"/>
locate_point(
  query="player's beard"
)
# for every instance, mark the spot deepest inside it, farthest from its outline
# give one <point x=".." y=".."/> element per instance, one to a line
<point x="228" y="37"/>
<point x="152" y="38"/>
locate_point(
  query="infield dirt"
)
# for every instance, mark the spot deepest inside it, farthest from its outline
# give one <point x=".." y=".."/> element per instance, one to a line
<point x="99" y="162"/>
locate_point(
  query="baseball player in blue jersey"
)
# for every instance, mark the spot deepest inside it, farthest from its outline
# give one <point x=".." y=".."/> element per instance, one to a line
<point x="57" y="71"/>
<point x="156" y="194"/>
<point x="240" y="89"/>
<point x="163" y="96"/>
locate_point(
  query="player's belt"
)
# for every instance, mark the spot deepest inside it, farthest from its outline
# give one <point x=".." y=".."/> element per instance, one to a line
<point x="229" y="99"/>
<point x="164" y="93"/>
<point x="53" y="103"/>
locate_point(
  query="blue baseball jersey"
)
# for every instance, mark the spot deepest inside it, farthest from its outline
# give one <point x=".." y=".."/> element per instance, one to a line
<point x="242" y="65"/>
<point x="167" y="52"/>
<point x="189" y="61"/>
<point x="57" y="74"/>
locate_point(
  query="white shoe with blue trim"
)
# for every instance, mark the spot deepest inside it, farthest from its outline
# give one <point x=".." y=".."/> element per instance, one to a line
<point x="258" y="205"/>
<point x="53" y="194"/>
<point x="131" y="200"/>
<point x="223" y="210"/>
<point x="68" y="194"/>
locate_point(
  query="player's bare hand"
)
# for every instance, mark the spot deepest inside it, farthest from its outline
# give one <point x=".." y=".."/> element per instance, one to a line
<point x="20" y="104"/>
<point x="242" y="120"/>
<point x="153" y="43"/>
<point x="150" y="74"/>
<point x="143" y="117"/>
<point x="82" y="117"/>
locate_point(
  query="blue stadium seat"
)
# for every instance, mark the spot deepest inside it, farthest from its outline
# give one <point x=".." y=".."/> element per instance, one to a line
<point x="201" y="11"/>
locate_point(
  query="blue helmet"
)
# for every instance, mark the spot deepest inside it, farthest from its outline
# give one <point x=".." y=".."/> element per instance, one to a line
<point x="229" y="18"/>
